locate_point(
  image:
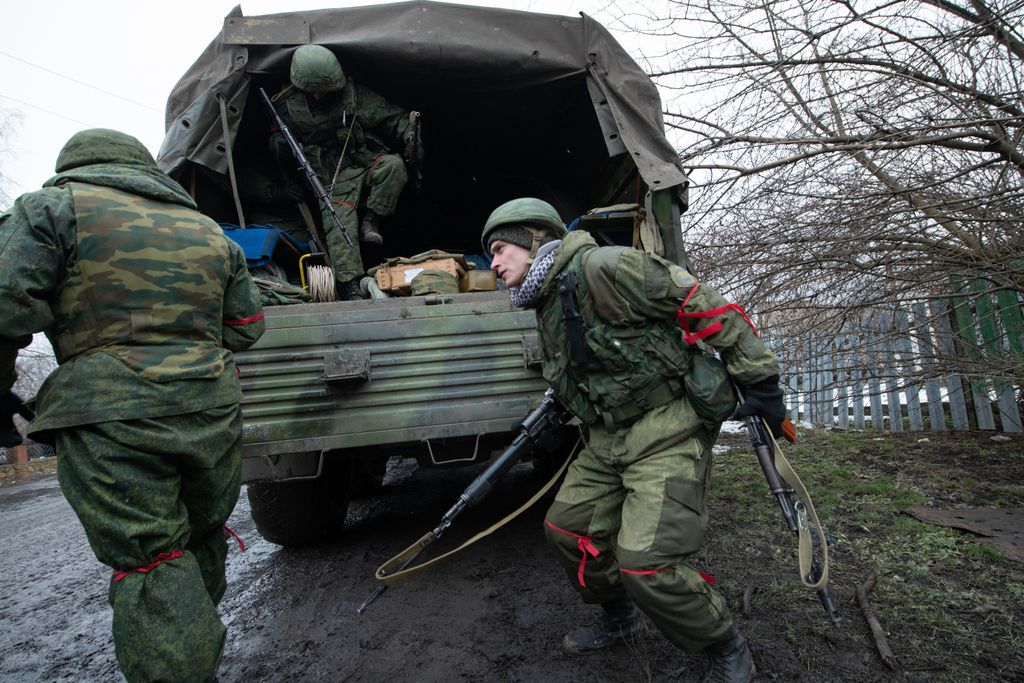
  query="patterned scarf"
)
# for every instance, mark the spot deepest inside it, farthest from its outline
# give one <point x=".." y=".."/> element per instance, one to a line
<point x="525" y="294"/>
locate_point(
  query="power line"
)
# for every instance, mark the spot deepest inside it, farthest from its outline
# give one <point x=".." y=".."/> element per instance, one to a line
<point x="52" y="113"/>
<point x="75" y="80"/>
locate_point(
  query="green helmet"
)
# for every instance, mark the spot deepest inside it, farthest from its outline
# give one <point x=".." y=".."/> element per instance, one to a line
<point x="102" y="146"/>
<point x="316" y="69"/>
<point x="525" y="211"/>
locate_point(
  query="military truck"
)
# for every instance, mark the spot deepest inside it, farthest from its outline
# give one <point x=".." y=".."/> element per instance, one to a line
<point x="511" y="104"/>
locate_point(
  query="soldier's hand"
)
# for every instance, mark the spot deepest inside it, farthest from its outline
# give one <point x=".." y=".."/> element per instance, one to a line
<point x="11" y="404"/>
<point x="763" y="399"/>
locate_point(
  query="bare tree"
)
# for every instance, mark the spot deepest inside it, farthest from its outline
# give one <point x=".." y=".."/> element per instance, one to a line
<point x="8" y="120"/>
<point x="852" y="156"/>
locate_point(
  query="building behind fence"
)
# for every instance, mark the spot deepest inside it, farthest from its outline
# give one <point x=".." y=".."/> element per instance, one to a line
<point x="922" y="367"/>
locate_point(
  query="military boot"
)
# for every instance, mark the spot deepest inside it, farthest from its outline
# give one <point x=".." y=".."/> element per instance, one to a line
<point x="729" y="660"/>
<point x="369" y="229"/>
<point x="349" y="290"/>
<point x="621" y="619"/>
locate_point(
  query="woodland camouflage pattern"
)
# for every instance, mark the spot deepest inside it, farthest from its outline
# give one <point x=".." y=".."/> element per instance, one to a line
<point x="143" y="299"/>
<point x="135" y="303"/>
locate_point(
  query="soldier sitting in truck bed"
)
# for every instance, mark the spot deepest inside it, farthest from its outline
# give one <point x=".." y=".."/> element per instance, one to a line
<point x="347" y="132"/>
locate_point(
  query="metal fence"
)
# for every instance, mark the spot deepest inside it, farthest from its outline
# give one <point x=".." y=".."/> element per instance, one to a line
<point x="928" y="366"/>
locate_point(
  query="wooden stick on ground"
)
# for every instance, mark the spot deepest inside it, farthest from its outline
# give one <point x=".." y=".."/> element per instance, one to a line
<point x="881" y="643"/>
<point x="748" y="594"/>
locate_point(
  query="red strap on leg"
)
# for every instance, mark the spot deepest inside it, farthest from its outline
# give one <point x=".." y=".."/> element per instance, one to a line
<point x="648" y="572"/>
<point x="584" y="543"/>
<point x="229" y="533"/>
<point x="157" y="561"/>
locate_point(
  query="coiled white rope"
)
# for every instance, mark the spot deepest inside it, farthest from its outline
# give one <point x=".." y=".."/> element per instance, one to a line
<point x="321" y="283"/>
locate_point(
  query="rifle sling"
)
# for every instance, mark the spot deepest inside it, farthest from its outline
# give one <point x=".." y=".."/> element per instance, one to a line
<point x="805" y="544"/>
<point x="384" y="572"/>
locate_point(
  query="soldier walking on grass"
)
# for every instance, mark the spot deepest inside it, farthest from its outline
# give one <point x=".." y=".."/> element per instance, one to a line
<point x="632" y="507"/>
<point x="143" y="299"/>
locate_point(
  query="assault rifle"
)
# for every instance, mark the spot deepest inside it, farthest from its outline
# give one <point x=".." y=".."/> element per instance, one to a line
<point x="534" y="431"/>
<point x="793" y="509"/>
<point x="307" y="169"/>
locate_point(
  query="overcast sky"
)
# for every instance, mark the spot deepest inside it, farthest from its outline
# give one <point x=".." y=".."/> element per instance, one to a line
<point x="69" y="65"/>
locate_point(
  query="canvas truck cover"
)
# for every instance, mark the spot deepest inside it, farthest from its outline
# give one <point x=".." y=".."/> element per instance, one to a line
<point x="421" y="44"/>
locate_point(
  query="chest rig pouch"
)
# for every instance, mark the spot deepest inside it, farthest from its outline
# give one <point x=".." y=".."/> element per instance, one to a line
<point x="608" y="374"/>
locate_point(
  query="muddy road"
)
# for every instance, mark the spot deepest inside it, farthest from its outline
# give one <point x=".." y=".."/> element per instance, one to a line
<point x="496" y="612"/>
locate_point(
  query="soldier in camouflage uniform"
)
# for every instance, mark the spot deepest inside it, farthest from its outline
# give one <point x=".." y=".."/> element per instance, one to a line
<point x="143" y="300"/>
<point x="632" y="507"/>
<point x="346" y="131"/>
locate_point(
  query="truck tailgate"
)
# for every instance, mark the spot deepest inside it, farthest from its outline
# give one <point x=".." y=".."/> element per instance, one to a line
<point x="353" y="374"/>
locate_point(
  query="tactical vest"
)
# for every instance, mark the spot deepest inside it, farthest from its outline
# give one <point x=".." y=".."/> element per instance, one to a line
<point x="617" y="374"/>
<point x="146" y="286"/>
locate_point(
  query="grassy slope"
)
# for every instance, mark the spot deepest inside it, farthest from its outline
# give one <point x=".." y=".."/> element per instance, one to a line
<point x="952" y="607"/>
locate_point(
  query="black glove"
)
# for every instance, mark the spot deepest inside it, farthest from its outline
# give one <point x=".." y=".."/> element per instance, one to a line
<point x="286" y="193"/>
<point x="763" y="399"/>
<point x="11" y="403"/>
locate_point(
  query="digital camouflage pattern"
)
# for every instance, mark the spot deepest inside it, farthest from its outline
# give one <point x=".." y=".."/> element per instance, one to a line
<point x="151" y="486"/>
<point x="143" y="300"/>
<point x="633" y="502"/>
<point x="366" y="127"/>
<point x="102" y="146"/>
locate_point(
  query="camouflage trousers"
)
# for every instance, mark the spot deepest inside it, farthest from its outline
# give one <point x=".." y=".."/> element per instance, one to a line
<point x="630" y="511"/>
<point x="381" y="183"/>
<point x="149" y="489"/>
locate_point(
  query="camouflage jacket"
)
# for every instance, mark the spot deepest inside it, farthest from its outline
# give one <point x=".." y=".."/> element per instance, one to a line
<point x="142" y="297"/>
<point x="374" y="125"/>
<point x="638" y="353"/>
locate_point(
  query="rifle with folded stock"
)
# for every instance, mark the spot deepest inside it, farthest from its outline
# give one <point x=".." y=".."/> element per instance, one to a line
<point x="533" y="433"/>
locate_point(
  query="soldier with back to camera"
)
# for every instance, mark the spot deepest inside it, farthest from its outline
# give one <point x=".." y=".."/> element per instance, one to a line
<point x="143" y="299"/>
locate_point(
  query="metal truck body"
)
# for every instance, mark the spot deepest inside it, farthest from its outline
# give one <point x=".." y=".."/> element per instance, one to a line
<point x="512" y="104"/>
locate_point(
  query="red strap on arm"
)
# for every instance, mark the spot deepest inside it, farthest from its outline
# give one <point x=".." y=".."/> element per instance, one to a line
<point x="245" y="321"/>
<point x="691" y="337"/>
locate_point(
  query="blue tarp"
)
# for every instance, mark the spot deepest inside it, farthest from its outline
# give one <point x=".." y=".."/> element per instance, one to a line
<point x="259" y="242"/>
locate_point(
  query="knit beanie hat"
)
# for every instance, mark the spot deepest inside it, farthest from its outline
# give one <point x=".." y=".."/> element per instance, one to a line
<point x="513" y="234"/>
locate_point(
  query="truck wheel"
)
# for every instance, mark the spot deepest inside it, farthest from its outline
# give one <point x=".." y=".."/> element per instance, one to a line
<point x="296" y="513"/>
<point x="367" y="477"/>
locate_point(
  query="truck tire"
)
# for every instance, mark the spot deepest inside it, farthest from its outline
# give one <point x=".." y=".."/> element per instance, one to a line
<point x="367" y="477"/>
<point x="297" y="513"/>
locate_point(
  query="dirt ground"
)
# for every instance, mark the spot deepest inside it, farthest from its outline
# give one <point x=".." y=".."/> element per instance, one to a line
<point x="951" y="608"/>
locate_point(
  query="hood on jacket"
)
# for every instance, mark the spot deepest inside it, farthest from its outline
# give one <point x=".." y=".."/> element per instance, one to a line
<point x="101" y="156"/>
